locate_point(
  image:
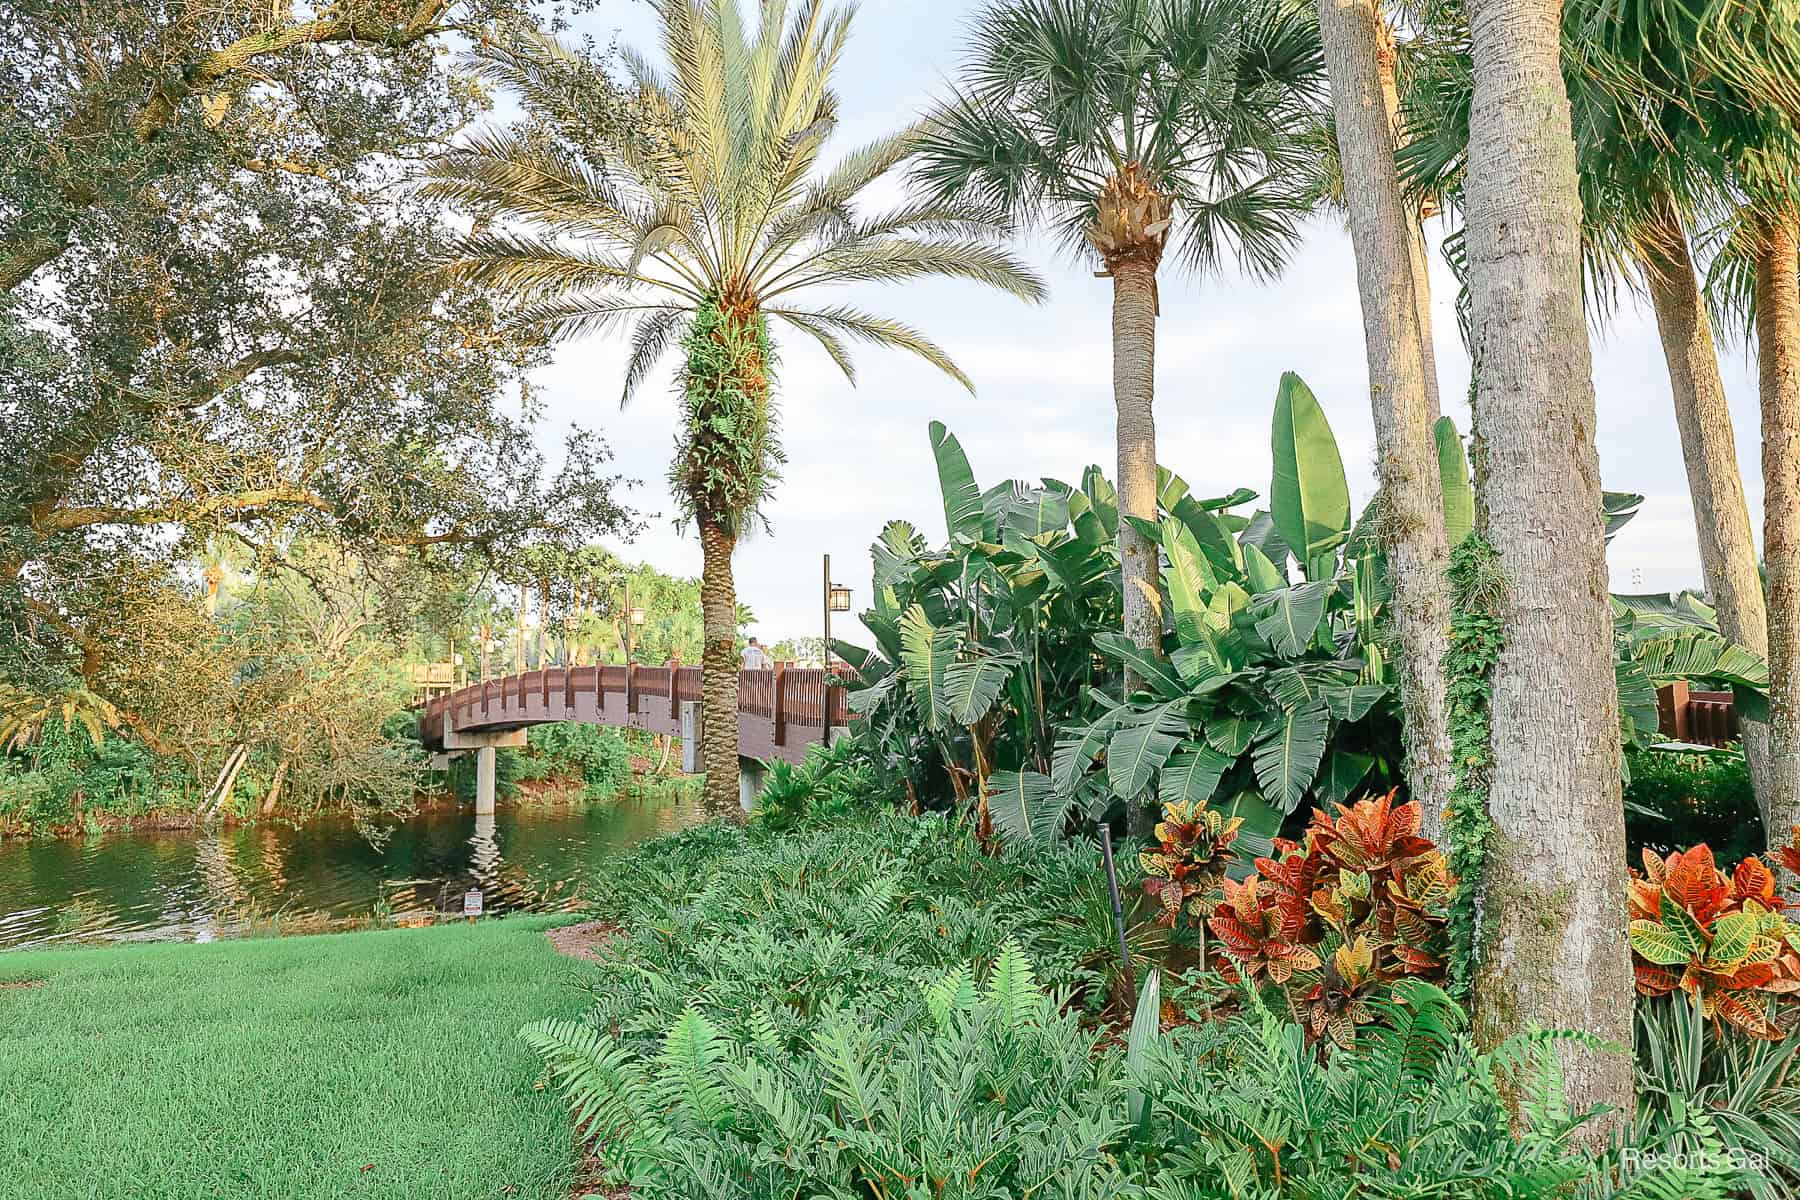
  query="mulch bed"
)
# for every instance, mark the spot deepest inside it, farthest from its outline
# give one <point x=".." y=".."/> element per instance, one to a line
<point x="585" y="940"/>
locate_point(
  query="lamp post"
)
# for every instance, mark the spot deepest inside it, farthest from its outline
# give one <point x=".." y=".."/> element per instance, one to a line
<point x="633" y="617"/>
<point x="837" y="599"/>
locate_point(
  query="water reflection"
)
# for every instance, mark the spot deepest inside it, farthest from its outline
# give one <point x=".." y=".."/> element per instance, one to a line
<point x="201" y="885"/>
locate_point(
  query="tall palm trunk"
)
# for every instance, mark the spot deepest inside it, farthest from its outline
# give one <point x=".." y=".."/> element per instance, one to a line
<point x="1383" y="235"/>
<point x="1778" y="366"/>
<point x="1709" y="449"/>
<point x="718" y="669"/>
<point x="1386" y="58"/>
<point x="1552" y="895"/>
<point x="1134" y="388"/>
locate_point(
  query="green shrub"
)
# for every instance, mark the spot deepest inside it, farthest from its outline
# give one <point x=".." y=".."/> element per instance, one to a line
<point x="1677" y="799"/>
<point x="967" y="1092"/>
<point x="1710" y="1091"/>
<point x="740" y="923"/>
<point x="827" y="784"/>
<point x="960" y="1092"/>
<point x="596" y="755"/>
<point x="64" y="775"/>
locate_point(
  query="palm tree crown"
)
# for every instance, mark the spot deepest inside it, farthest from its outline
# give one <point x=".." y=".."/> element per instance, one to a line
<point x="710" y="191"/>
<point x="690" y="203"/>
<point x="1126" y="125"/>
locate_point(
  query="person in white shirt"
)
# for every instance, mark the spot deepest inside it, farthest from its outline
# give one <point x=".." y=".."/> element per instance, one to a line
<point x="755" y="657"/>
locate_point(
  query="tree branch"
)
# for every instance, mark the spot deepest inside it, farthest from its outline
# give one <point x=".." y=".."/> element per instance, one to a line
<point x="227" y="504"/>
<point x="22" y="256"/>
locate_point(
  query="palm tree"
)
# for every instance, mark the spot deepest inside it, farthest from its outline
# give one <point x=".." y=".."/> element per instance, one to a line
<point x="1555" y="954"/>
<point x="1130" y="128"/>
<point x="1777" y="250"/>
<point x="1674" y="140"/>
<point x="1386" y="238"/>
<point x="690" y="205"/>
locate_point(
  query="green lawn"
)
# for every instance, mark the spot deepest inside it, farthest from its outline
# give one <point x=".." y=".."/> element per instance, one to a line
<point x="364" y="1065"/>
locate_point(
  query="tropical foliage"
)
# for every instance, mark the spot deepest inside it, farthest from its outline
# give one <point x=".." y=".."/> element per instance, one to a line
<point x="993" y="678"/>
<point x="826" y="784"/>
<point x="859" y="1006"/>
<point x="1186" y="867"/>
<point x="1721" y="941"/>
<point x="1278" y="688"/>
<point x="1337" y="919"/>
<point x="984" y="647"/>
<point x="1710" y="1094"/>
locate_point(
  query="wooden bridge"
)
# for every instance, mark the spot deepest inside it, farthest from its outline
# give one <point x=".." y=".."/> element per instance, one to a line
<point x="780" y="713"/>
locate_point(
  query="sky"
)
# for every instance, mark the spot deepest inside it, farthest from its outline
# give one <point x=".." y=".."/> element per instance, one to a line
<point x="859" y="457"/>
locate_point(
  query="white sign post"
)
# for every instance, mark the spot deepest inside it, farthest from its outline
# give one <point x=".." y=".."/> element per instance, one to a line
<point x="472" y="903"/>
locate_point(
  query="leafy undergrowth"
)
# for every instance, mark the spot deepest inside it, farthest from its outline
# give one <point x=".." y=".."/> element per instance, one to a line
<point x="747" y="926"/>
<point x="873" y="1009"/>
<point x="354" y="1065"/>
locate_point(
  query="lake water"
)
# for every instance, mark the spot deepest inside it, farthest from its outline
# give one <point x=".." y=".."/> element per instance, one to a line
<point x="198" y="885"/>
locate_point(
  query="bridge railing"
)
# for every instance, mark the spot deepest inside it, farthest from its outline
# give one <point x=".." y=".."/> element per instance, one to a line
<point x="650" y="696"/>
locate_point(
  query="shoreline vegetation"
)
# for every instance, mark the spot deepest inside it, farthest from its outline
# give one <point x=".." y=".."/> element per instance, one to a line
<point x="76" y="794"/>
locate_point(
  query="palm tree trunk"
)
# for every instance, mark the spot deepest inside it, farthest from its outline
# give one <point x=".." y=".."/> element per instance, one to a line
<point x="1385" y="59"/>
<point x="1552" y="895"/>
<point x="718" y="670"/>
<point x="1412" y="495"/>
<point x="1709" y="449"/>
<point x="1778" y="368"/>
<point x="1134" y="391"/>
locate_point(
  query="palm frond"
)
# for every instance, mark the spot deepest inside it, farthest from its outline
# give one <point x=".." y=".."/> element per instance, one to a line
<point x="891" y="260"/>
<point x="829" y="341"/>
<point x="578" y="315"/>
<point x="502" y="174"/>
<point x="880" y="331"/>
<point x="649" y="339"/>
<point x="531" y="269"/>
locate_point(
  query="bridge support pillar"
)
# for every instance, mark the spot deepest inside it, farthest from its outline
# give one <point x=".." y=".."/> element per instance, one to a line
<point x="690" y="737"/>
<point x="751" y="777"/>
<point x="485" y="759"/>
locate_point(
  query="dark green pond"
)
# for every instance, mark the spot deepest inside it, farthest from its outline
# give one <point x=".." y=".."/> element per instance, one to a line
<point x="195" y="886"/>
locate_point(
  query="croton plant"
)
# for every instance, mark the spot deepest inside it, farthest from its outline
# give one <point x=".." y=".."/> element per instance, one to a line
<point x="1722" y="941"/>
<point x="1184" y="869"/>
<point x="1361" y="901"/>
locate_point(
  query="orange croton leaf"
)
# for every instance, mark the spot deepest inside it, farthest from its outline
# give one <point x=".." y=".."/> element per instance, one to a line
<point x="1754" y="881"/>
<point x="1790" y="853"/>
<point x="1695" y="883"/>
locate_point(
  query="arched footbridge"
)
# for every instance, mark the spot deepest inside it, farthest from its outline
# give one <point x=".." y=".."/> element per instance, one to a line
<point x="781" y="712"/>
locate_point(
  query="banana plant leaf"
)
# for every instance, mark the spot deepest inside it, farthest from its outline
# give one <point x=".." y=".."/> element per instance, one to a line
<point x="1287" y="753"/>
<point x="1453" y="476"/>
<point x="956" y="480"/>
<point x="1025" y="807"/>
<point x="1309" y="497"/>
<point x="1141" y="745"/>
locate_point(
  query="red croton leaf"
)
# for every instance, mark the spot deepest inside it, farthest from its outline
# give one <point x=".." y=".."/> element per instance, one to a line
<point x="1695" y="883"/>
<point x="1747" y="1016"/>
<point x="1790" y="853"/>
<point x="1653" y="980"/>
<point x="1754" y="881"/>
